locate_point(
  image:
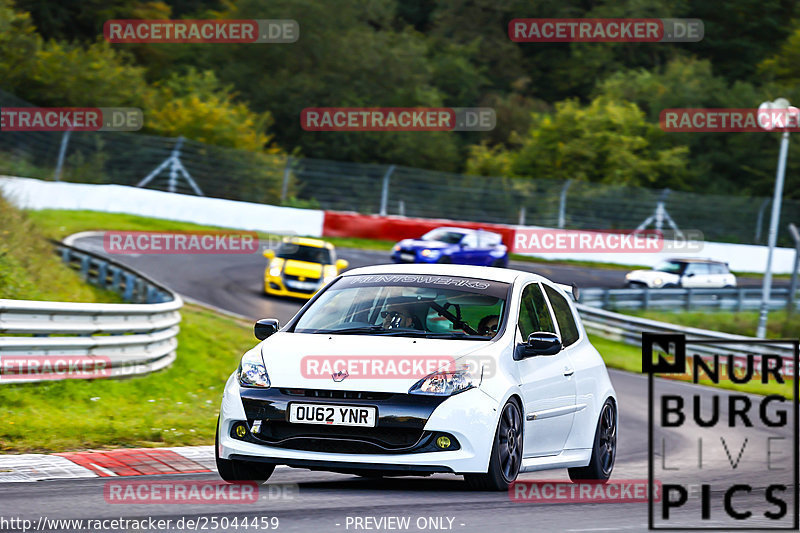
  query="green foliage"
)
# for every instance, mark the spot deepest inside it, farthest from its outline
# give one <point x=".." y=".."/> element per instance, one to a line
<point x="605" y="142"/>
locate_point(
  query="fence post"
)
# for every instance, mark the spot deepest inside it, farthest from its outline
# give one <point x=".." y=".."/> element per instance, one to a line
<point x="760" y="221"/>
<point x="62" y="151"/>
<point x="385" y="190"/>
<point x="285" y="186"/>
<point x="562" y="205"/>
<point x="522" y="216"/>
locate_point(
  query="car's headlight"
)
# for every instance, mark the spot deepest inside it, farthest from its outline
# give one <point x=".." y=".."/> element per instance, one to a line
<point x="430" y="253"/>
<point x="658" y="282"/>
<point x="443" y="383"/>
<point x="252" y="372"/>
<point x="396" y="248"/>
<point x="629" y="275"/>
<point x="275" y="270"/>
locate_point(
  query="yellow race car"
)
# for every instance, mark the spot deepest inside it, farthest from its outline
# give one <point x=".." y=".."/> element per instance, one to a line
<point x="300" y="267"/>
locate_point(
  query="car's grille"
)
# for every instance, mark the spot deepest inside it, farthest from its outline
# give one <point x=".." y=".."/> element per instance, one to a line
<point x="343" y="394"/>
<point x="342" y="439"/>
<point x="297" y="278"/>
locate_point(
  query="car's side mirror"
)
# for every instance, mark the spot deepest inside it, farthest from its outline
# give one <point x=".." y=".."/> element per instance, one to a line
<point x="341" y="264"/>
<point x="266" y="327"/>
<point x="541" y="343"/>
<point x="269" y="254"/>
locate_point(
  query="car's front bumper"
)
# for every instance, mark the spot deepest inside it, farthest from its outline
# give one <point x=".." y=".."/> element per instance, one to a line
<point x="470" y="418"/>
<point x="275" y="286"/>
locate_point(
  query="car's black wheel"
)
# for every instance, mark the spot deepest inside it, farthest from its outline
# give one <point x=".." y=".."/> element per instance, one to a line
<point x="234" y="471"/>
<point x="506" y="457"/>
<point x="498" y="263"/>
<point x="445" y="260"/>
<point x="604" y="450"/>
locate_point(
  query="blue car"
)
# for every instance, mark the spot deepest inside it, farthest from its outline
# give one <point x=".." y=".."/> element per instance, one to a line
<point x="453" y="245"/>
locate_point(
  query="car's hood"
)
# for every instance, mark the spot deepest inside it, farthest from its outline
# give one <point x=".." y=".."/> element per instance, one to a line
<point x="303" y="360"/>
<point x="302" y="269"/>
<point x="419" y="244"/>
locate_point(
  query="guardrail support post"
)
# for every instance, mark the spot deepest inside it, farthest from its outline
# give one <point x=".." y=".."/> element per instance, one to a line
<point x="740" y="299"/>
<point x="606" y="299"/>
<point x="85" y="260"/>
<point x="646" y="298"/>
<point x="688" y="299"/>
<point x="102" y="274"/>
<point x="130" y="280"/>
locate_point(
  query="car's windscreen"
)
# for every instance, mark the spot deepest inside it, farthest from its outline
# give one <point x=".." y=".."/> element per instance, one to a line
<point x="409" y="305"/>
<point x="449" y="237"/>
<point x="672" y="267"/>
<point x="311" y="254"/>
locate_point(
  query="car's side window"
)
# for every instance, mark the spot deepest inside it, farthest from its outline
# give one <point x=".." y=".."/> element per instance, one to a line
<point x="566" y="322"/>
<point x="697" y="269"/>
<point x="533" y="312"/>
<point x="470" y="240"/>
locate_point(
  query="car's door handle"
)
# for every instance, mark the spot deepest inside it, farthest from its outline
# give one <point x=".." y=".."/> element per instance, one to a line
<point x="568" y="371"/>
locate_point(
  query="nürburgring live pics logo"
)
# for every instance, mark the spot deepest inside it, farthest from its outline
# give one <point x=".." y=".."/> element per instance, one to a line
<point x="726" y="460"/>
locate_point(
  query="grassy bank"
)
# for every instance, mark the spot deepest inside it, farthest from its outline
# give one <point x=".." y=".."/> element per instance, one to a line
<point x="29" y="268"/>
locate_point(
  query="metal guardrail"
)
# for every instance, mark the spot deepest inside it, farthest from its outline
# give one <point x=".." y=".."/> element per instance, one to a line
<point x="628" y="329"/>
<point x="122" y="339"/>
<point x="736" y="299"/>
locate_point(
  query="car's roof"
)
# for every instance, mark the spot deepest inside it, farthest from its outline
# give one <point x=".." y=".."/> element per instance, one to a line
<point x="463" y="230"/>
<point x="695" y="260"/>
<point x="307" y="241"/>
<point x="506" y="275"/>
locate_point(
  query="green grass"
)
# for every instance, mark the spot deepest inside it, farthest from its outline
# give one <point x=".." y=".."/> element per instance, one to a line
<point x="629" y="358"/>
<point x="779" y="324"/>
<point x="30" y="269"/>
<point x="174" y="407"/>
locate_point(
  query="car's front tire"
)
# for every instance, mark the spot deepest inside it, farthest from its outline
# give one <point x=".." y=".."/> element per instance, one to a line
<point x="604" y="449"/>
<point x="506" y="457"/>
<point x="234" y="471"/>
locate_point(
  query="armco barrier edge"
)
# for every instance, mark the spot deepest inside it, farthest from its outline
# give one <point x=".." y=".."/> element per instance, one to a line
<point x="628" y="329"/>
<point x="131" y="339"/>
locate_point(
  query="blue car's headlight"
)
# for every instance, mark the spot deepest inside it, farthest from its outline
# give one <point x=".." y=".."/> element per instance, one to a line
<point x="252" y="372"/>
<point x="443" y="383"/>
<point x="430" y="253"/>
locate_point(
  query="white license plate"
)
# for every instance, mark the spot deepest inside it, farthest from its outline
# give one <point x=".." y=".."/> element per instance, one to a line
<point x="408" y="257"/>
<point x="308" y="285"/>
<point x="332" y="415"/>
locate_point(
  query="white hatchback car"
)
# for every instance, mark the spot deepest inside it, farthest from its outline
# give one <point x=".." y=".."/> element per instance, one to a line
<point x="417" y="369"/>
<point x="686" y="273"/>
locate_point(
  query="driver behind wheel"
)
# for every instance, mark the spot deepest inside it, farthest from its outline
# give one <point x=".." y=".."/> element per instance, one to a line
<point x="488" y="325"/>
<point x="397" y="316"/>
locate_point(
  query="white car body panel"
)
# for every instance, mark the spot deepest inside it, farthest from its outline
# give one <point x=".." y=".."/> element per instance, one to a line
<point x="566" y="407"/>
